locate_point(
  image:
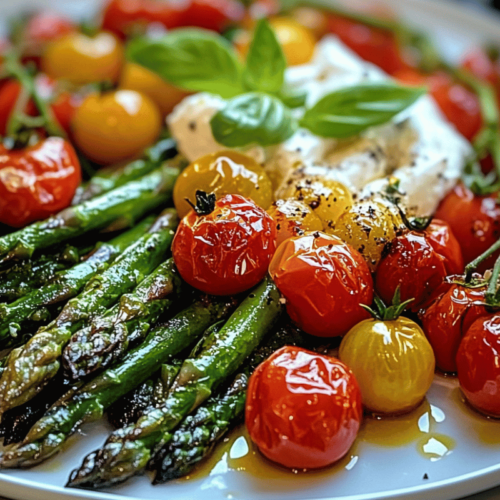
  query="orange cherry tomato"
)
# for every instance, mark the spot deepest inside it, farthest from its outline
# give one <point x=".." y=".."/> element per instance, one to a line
<point x="37" y="181"/>
<point x="227" y="248"/>
<point x="371" y="44"/>
<point x="303" y="409"/>
<point x="478" y="363"/>
<point x="446" y="319"/>
<point x="115" y="126"/>
<point x="474" y="220"/>
<point x="324" y="281"/>
<point x="442" y="239"/>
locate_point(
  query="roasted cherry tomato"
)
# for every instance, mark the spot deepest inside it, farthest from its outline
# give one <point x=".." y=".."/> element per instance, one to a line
<point x="224" y="247"/>
<point x="214" y="15"/>
<point x="225" y="172"/>
<point x="368" y="226"/>
<point x="81" y="59"/>
<point x="115" y="126"/>
<point x="165" y="95"/>
<point x="479" y="63"/>
<point x="315" y="20"/>
<point x="37" y="181"/>
<point x="303" y="409"/>
<point x="324" y="281"/>
<point x="374" y="45"/>
<point x="392" y="361"/>
<point x="297" y="41"/>
<point x="446" y="319"/>
<point x="293" y="218"/>
<point x="442" y="239"/>
<point x="478" y="363"/>
<point x="413" y="265"/>
<point x="328" y="198"/>
<point x="10" y="91"/>
<point x="474" y="220"/>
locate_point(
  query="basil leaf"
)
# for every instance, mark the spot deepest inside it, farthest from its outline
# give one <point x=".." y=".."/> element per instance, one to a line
<point x="349" y="111"/>
<point x="253" y="118"/>
<point x="192" y="59"/>
<point x="266" y="63"/>
<point x="293" y="98"/>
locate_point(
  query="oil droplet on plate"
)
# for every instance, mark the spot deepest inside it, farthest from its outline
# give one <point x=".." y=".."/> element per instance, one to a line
<point x="435" y="446"/>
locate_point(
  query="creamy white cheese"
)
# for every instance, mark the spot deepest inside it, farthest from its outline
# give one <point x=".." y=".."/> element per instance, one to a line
<point x="418" y="147"/>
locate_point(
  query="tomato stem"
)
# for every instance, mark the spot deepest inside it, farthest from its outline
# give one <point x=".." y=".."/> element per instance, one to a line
<point x="492" y="293"/>
<point x="472" y="266"/>
<point x="388" y="313"/>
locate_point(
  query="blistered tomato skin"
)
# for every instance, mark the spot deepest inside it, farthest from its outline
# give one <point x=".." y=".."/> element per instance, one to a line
<point x="478" y="362"/>
<point x="227" y="251"/>
<point x="225" y="172"/>
<point x="293" y="218"/>
<point x="442" y="239"/>
<point x="303" y="409"/>
<point x="37" y="181"/>
<point x="474" y="220"/>
<point x="324" y="281"/>
<point x="368" y="226"/>
<point x="392" y="361"/>
<point x="448" y="317"/>
<point x="115" y="126"/>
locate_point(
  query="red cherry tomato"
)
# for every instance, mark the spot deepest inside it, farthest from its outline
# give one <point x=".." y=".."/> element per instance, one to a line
<point x="448" y="317"/>
<point x="474" y="220"/>
<point x="442" y="239"/>
<point x="413" y="265"/>
<point x="213" y="14"/>
<point x="228" y="250"/>
<point x="478" y="363"/>
<point x="47" y="26"/>
<point x="303" y="409"/>
<point x="9" y="93"/>
<point x="480" y="65"/>
<point x="371" y="44"/>
<point x="37" y="181"/>
<point x="324" y="281"/>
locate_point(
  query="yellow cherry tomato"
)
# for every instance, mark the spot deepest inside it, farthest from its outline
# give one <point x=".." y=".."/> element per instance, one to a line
<point x="315" y="20"/>
<point x="82" y="59"/>
<point x="293" y="218"/>
<point x="392" y="361"/>
<point x="297" y="41"/>
<point x="329" y="199"/>
<point x="368" y="226"/>
<point x="115" y="126"/>
<point x="221" y="173"/>
<point x="165" y="95"/>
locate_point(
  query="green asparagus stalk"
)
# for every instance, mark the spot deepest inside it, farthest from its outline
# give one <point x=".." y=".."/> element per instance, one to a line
<point x="128" y="451"/>
<point x="109" y="337"/>
<point x="196" y="437"/>
<point x="109" y="178"/>
<point x="87" y="404"/>
<point x="125" y="204"/>
<point x="29" y="368"/>
<point x="36" y="306"/>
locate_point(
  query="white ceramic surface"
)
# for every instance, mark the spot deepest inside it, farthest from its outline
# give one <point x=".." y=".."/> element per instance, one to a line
<point x="371" y="470"/>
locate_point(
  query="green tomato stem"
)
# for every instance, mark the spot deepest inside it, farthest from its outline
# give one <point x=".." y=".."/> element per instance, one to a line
<point x="472" y="266"/>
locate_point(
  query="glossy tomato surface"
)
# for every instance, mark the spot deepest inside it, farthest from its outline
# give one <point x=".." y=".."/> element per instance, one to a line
<point x="446" y="319"/>
<point x="228" y="250"/>
<point x="214" y="15"/>
<point x="413" y="265"/>
<point x="478" y="362"/>
<point x="474" y="220"/>
<point x="442" y="239"/>
<point x="303" y="409"/>
<point x="37" y="181"/>
<point x="324" y="281"/>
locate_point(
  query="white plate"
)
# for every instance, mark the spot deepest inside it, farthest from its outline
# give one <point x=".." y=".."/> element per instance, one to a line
<point x="373" y="469"/>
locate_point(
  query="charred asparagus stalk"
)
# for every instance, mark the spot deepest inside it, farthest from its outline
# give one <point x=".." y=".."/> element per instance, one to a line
<point x="109" y="337"/>
<point x="34" y="307"/>
<point x="128" y="451"/>
<point x="29" y="368"/>
<point x="89" y="403"/>
<point x="126" y="203"/>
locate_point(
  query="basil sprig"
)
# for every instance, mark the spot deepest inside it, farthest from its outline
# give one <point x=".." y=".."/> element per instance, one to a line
<point x="351" y="110"/>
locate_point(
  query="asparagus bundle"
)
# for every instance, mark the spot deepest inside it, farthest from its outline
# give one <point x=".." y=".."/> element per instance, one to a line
<point x="196" y="437"/>
<point x="33" y="308"/>
<point x="109" y="337"/>
<point x="126" y="203"/>
<point x="109" y="178"/>
<point x="29" y="368"/>
<point x="128" y="450"/>
<point x="90" y="401"/>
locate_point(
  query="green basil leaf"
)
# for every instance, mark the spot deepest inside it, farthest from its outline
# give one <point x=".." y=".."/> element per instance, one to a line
<point x="293" y="98"/>
<point x="349" y="111"/>
<point x="253" y="118"/>
<point x="266" y="63"/>
<point x="192" y="59"/>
